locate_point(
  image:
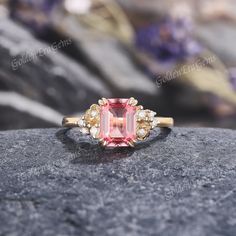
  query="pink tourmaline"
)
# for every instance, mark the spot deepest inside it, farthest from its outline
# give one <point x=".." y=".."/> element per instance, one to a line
<point x="117" y="123"/>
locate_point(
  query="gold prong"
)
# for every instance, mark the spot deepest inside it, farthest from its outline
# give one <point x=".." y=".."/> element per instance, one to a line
<point x="104" y="143"/>
<point x="102" y="101"/>
<point x="94" y="106"/>
<point x="131" y="144"/>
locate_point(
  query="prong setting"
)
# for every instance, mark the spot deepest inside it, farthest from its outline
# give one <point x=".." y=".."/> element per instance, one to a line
<point x="102" y="102"/>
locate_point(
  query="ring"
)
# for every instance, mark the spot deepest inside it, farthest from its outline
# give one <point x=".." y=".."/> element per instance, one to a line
<point x="118" y="122"/>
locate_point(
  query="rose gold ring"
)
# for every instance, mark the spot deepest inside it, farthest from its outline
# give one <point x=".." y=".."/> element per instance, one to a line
<point x="118" y="122"/>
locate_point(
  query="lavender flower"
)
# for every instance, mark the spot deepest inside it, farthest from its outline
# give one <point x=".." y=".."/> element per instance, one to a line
<point x="232" y="77"/>
<point x="169" y="40"/>
<point x="35" y="14"/>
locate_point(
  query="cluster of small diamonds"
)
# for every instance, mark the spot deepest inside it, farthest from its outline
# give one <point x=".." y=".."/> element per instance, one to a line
<point x="146" y="121"/>
<point x="90" y="122"/>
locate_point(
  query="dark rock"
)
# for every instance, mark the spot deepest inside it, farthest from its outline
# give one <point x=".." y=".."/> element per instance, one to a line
<point x="14" y="119"/>
<point x="57" y="182"/>
<point x="111" y="59"/>
<point x="19" y="112"/>
<point x="42" y="73"/>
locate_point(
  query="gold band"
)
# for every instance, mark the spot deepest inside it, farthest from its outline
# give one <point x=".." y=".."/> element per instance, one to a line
<point x="163" y="122"/>
<point x="70" y="122"/>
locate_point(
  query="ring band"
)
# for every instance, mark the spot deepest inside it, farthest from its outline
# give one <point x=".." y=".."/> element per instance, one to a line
<point x="71" y="122"/>
<point x="118" y="122"/>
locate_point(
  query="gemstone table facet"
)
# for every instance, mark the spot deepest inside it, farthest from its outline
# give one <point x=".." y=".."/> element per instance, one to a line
<point x="117" y="123"/>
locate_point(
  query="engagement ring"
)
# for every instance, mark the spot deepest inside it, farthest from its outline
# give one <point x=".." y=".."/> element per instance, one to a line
<point x="118" y="122"/>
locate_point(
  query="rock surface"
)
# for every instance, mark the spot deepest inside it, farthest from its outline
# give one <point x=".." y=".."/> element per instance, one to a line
<point x="110" y="59"/>
<point x="19" y="112"/>
<point x="40" y="71"/>
<point x="57" y="182"/>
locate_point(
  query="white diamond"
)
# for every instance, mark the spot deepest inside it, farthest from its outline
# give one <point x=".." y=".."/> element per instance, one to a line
<point x="93" y="113"/>
<point x="81" y="123"/>
<point x="141" y="132"/>
<point x="84" y="131"/>
<point x="155" y="122"/>
<point x="141" y="114"/>
<point x="94" y="131"/>
<point x="133" y="101"/>
<point x="152" y="114"/>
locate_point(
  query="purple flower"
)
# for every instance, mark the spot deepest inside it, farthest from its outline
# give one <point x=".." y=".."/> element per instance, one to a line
<point x="35" y="14"/>
<point x="232" y="77"/>
<point x="169" y="40"/>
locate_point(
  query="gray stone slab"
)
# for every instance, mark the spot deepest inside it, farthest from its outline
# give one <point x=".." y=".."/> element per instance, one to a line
<point x="57" y="182"/>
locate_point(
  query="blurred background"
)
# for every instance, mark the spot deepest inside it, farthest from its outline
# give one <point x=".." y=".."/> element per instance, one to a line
<point x="57" y="57"/>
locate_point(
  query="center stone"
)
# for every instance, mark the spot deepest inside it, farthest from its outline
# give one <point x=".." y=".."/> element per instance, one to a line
<point x="117" y="123"/>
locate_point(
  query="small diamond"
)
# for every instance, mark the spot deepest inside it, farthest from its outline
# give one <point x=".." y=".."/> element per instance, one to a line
<point x="81" y="123"/>
<point x="152" y="114"/>
<point x="141" y="133"/>
<point x="94" y="113"/>
<point x="94" y="132"/>
<point x="84" y="130"/>
<point x="133" y="101"/>
<point x="155" y="122"/>
<point x="141" y="114"/>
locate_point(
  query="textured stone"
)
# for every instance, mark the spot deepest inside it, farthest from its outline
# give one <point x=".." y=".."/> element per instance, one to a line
<point x="57" y="182"/>
<point x="40" y="71"/>
<point x="109" y="58"/>
<point x="18" y="112"/>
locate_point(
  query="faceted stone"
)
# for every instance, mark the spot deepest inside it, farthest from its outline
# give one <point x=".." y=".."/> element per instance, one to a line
<point x="143" y="129"/>
<point x="84" y="130"/>
<point x="142" y="114"/>
<point x="155" y="122"/>
<point x="94" y="132"/>
<point x="117" y="123"/>
<point x="81" y="123"/>
<point x="141" y="133"/>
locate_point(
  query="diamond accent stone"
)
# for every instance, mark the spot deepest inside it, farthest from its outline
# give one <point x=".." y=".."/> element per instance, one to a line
<point x="93" y="113"/>
<point x="84" y="130"/>
<point x="81" y="123"/>
<point x="152" y="114"/>
<point x="141" y="133"/>
<point x="141" y="114"/>
<point x="94" y="131"/>
<point x="92" y="117"/>
<point x="155" y="122"/>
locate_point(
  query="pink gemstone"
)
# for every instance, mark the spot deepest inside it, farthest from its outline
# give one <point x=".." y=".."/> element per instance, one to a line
<point x="117" y="123"/>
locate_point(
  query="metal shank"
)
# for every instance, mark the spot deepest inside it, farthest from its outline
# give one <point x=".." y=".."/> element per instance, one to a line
<point x="163" y="122"/>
